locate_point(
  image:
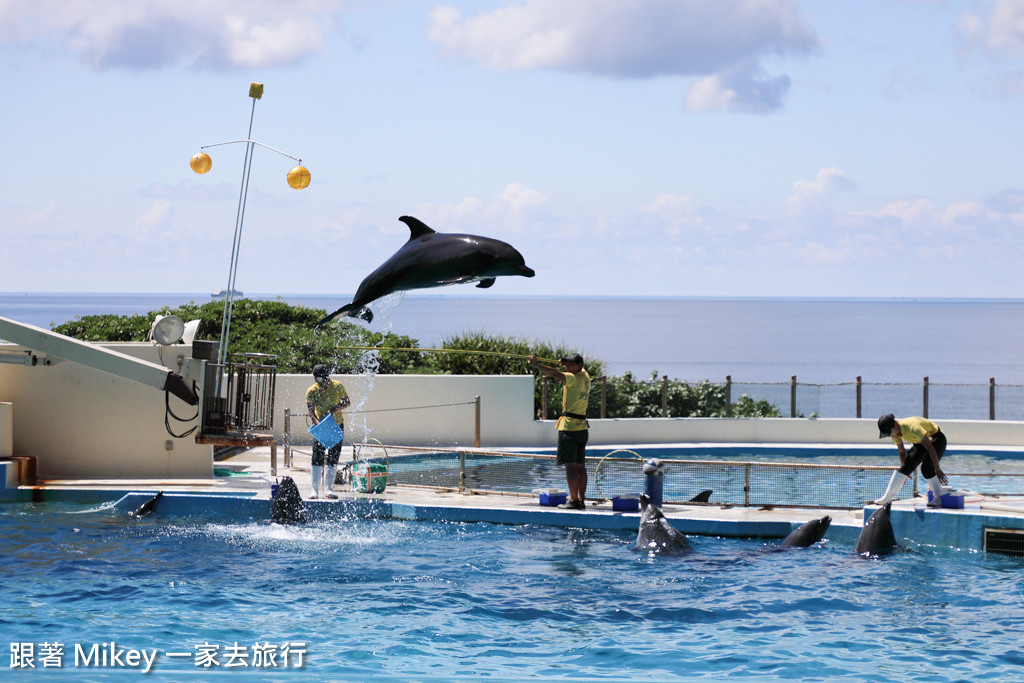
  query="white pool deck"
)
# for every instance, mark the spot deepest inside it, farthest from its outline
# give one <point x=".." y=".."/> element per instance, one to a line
<point x="245" y="496"/>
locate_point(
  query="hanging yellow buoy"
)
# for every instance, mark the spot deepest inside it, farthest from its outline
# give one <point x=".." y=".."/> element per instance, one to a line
<point x="201" y="162"/>
<point x="298" y="177"/>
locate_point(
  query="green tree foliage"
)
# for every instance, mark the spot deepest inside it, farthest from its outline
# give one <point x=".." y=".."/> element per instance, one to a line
<point x="290" y="333"/>
<point x="272" y="327"/>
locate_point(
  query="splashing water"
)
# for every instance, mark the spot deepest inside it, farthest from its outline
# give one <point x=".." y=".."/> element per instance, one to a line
<point x="369" y="364"/>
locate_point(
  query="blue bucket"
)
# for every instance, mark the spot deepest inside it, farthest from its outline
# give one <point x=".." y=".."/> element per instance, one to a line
<point x="328" y="432"/>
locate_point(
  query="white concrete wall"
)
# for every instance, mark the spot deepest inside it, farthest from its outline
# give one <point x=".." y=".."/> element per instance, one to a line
<point x="422" y="410"/>
<point x="402" y="410"/>
<point x="83" y="423"/>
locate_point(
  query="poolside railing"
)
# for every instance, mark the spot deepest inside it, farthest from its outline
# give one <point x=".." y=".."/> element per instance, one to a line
<point x="620" y="473"/>
<point x="856" y="398"/>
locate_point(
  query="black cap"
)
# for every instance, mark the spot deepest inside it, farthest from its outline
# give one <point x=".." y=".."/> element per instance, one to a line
<point x="885" y="425"/>
<point x="573" y="358"/>
<point x="321" y="370"/>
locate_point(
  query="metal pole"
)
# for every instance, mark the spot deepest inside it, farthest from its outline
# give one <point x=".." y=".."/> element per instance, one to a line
<point x="664" y="395"/>
<point x="604" y="396"/>
<point x="728" y="395"/>
<point x="287" y="437"/>
<point x="991" y="398"/>
<point x="925" y="413"/>
<point x="543" y="397"/>
<point x="225" y="325"/>
<point x="792" y="396"/>
<point x="858" y="395"/>
<point x="476" y="431"/>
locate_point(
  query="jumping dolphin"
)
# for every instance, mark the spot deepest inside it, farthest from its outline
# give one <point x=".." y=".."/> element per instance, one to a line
<point x="807" y="533"/>
<point x="148" y="507"/>
<point x="877" y="535"/>
<point x="656" y="534"/>
<point x="288" y="507"/>
<point x="433" y="259"/>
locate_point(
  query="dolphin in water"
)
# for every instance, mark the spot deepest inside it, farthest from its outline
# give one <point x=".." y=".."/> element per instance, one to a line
<point x="433" y="259"/>
<point x="702" y="497"/>
<point x="877" y="535"/>
<point x="807" y="533"/>
<point x="148" y="507"/>
<point x="656" y="534"/>
<point x="287" y="507"/>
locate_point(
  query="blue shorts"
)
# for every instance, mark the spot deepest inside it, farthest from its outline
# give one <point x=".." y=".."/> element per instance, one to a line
<point x="572" y="447"/>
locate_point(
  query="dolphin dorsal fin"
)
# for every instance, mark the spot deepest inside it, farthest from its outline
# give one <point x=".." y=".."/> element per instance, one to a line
<point x="417" y="227"/>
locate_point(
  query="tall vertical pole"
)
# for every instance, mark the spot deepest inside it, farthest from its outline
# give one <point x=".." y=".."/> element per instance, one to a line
<point x="225" y="325"/>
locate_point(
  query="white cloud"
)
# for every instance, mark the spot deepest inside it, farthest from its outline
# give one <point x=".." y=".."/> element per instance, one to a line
<point x="517" y="208"/>
<point x="156" y="219"/>
<point x="1000" y="30"/>
<point x="745" y="88"/>
<point x="815" y="196"/>
<point x="721" y="40"/>
<point x="152" y="34"/>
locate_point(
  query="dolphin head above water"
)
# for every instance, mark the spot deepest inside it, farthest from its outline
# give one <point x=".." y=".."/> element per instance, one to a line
<point x="808" y="533"/>
<point x="877" y="536"/>
<point x="287" y="506"/>
<point x="656" y="535"/>
<point x="434" y="259"/>
<point x="148" y="507"/>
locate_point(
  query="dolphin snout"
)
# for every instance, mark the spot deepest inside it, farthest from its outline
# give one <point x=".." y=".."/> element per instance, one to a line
<point x="526" y="271"/>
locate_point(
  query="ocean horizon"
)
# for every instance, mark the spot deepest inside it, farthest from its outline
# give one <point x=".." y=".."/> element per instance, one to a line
<point x="751" y="339"/>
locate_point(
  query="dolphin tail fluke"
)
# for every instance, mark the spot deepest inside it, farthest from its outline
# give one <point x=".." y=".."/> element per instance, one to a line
<point x="350" y="310"/>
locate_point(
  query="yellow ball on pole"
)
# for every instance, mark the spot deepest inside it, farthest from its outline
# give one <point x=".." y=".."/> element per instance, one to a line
<point x="298" y="177"/>
<point x="201" y="162"/>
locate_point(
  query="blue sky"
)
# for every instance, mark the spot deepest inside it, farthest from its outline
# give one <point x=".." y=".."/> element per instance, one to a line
<point x="625" y="147"/>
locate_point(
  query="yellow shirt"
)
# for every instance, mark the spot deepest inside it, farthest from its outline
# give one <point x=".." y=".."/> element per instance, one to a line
<point x="914" y="429"/>
<point x="323" y="399"/>
<point x="575" y="395"/>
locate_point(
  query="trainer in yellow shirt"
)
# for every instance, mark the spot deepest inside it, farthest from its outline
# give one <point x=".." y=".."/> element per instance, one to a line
<point x="325" y="399"/>
<point x="573" y="428"/>
<point x="929" y="445"/>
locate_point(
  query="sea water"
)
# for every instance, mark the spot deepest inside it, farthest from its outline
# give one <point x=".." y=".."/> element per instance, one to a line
<point x="692" y="339"/>
<point x="362" y="599"/>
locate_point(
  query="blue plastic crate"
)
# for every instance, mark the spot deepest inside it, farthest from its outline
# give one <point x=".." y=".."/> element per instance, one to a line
<point x="950" y="500"/>
<point x="551" y="498"/>
<point x="625" y="503"/>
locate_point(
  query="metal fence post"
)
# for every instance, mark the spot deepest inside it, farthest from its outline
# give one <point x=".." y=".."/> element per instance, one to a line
<point x="462" y="471"/>
<point x="858" y="395"/>
<point x="287" y="437"/>
<point x="728" y="395"/>
<point x="746" y="485"/>
<point x="792" y="396"/>
<point x="664" y="395"/>
<point x="543" y="397"/>
<point x="991" y="398"/>
<point x="604" y="396"/>
<point x="925" y="413"/>
<point x="476" y="426"/>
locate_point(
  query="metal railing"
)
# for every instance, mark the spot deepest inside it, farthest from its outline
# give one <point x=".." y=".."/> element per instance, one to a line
<point x="660" y="398"/>
<point x="732" y="482"/>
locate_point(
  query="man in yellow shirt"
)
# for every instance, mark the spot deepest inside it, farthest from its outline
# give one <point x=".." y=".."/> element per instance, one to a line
<point x="325" y="399"/>
<point x="929" y="446"/>
<point x="573" y="428"/>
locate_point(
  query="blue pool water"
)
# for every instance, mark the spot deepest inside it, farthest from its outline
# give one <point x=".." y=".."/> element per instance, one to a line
<point x="370" y="599"/>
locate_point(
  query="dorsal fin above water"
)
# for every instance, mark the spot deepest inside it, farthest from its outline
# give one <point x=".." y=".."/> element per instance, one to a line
<point x="417" y="227"/>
